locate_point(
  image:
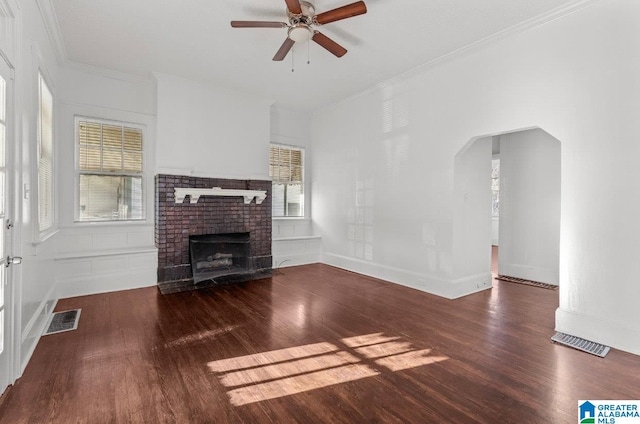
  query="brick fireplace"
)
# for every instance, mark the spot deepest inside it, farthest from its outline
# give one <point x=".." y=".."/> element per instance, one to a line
<point x="225" y="216"/>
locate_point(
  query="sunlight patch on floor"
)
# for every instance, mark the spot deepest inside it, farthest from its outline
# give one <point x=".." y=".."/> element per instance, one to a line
<point x="368" y="339"/>
<point x="271" y="357"/>
<point x="301" y="383"/>
<point x="384" y="349"/>
<point x="287" y="369"/>
<point x="285" y="372"/>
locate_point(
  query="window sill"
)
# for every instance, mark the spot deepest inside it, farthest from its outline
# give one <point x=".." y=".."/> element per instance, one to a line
<point x="43" y="237"/>
<point x="102" y="253"/>
<point x="290" y="218"/>
<point x="293" y="238"/>
<point x="135" y="222"/>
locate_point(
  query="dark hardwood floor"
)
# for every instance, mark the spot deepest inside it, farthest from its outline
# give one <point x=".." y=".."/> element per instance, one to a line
<point x="314" y="344"/>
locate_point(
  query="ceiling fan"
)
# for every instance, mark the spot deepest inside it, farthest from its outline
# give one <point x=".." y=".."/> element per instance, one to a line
<point x="302" y="19"/>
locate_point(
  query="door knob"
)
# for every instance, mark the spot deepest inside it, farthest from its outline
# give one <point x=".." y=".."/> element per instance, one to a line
<point x="15" y="260"/>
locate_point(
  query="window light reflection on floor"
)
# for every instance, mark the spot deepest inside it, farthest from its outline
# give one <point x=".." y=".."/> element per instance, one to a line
<point x="285" y="372"/>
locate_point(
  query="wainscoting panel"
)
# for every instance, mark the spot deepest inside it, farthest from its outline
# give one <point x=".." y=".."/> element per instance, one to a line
<point x="101" y="258"/>
<point x="106" y="273"/>
<point x="300" y="250"/>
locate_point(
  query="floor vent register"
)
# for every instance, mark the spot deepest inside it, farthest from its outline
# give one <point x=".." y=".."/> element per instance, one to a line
<point x="63" y="321"/>
<point x="581" y="344"/>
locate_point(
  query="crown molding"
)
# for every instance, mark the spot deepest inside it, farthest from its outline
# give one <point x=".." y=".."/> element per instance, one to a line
<point x="50" y="20"/>
<point x="509" y="32"/>
<point x="10" y="14"/>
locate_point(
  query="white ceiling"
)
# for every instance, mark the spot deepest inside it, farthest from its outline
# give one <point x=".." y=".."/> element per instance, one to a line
<point x="193" y="39"/>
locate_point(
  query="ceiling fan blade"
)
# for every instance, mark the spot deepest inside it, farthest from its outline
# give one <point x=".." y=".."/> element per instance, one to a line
<point x="294" y="6"/>
<point x="329" y="44"/>
<point x="348" y="11"/>
<point x="257" y="24"/>
<point x="284" y="49"/>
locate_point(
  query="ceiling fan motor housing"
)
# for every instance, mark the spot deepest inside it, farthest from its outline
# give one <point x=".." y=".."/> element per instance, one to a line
<point x="300" y="32"/>
<point x="300" y="28"/>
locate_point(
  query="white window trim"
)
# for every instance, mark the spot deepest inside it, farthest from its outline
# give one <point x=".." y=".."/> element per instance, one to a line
<point x="38" y="235"/>
<point x="76" y="171"/>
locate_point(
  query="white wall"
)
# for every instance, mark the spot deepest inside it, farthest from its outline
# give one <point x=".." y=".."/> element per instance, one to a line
<point x="472" y="216"/>
<point x="208" y="131"/>
<point x="101" y="257"/>
<point x="576" y="77"/>
<point x="530" y="206"/>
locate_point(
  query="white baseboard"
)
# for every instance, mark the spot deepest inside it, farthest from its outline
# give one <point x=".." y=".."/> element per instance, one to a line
<point x="450" y="289"/>
<point x="295" y="259"/>
<point x="617" y="335"/>
<point x="470" y="285"/>
<point x="35" y="327"/>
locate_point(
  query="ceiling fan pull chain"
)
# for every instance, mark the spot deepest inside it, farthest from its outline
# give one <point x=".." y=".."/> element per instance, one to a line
<point x="293" y="51"/>
<point x="308" y="54"/>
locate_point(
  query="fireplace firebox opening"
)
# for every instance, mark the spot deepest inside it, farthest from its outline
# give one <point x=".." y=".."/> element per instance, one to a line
<point x="218" y="255"/>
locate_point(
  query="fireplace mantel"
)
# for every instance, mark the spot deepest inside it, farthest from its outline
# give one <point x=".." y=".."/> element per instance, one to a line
<point x="195" y="193"/>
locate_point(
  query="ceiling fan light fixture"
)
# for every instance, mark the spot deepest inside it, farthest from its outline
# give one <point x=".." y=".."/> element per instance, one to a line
<point x="300" y="33"/>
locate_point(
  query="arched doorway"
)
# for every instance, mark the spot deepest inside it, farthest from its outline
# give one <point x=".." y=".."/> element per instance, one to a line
<point x="529" y="205"/>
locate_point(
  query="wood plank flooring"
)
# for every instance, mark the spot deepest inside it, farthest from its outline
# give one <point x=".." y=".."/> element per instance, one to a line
<point x="313" y="344"/>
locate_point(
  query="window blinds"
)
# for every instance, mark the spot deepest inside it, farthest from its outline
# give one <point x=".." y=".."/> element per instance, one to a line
<point x="45" y="156"/>
<point x="109" y="148"/>
<point x="285" y="164"/>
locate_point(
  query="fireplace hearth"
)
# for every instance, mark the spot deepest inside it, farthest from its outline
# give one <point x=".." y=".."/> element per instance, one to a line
<point x="230" y="237"/>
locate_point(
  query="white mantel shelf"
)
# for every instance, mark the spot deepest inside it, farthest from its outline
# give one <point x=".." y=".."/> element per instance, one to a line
<point x="195" y="193"/>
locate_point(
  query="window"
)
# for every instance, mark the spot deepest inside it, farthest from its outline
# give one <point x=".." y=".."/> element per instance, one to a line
<point x="286" y="168"/>
<point x="45" y="155"/>
<point x="495" y="188"/>
<point x="109" y="171"/>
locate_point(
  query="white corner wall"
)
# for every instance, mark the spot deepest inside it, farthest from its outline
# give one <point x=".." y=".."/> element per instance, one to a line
<point x="530" y="206"/>
<point x="101" y="257"/>
<point x="294" y="240"/>
<point x="383" y="162"/>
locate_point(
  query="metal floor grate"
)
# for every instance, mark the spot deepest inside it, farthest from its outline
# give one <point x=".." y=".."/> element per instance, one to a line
<point x="581" y="344"/>
<point x="526" y="282"/>
<point x="63" y="321"/>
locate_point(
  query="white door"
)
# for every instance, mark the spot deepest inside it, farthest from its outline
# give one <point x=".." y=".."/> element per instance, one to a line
<point x="6" y="211"/>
